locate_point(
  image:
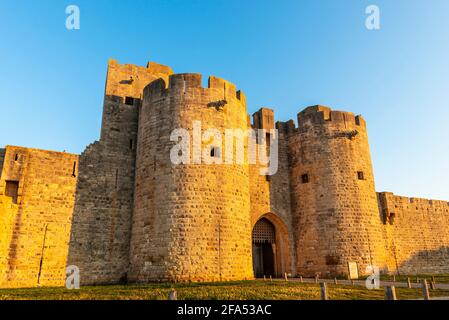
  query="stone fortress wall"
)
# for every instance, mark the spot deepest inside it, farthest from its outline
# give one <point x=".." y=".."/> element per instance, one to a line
<point x="37" y="193"/>
<point x="335" y="210"/>
<point x="415" y="233"/>
<point x="191" y="221"/>
<point x="102" y="218"/>
<point x="121" y="211"/>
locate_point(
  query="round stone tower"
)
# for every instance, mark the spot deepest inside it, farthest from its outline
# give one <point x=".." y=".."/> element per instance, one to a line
<point x="334" y="203"/>
<point x="191" y="220"/>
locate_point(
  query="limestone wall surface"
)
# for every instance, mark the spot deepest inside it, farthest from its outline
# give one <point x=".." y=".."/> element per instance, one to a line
<point x="416" y="234"/>
<point x="270" y="194"/>
<point x="123" y="211"/>
<point x="334" y="204"/>
<point x="191" y="221"/>
<point x="101" y="230"/>
<point x="35" y="218"/>
<point x="2" y="158"/>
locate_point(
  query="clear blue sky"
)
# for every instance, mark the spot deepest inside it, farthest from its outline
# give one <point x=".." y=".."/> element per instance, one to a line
<point x="283" y="54"/>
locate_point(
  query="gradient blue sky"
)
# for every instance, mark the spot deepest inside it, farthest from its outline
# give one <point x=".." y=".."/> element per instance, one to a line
<point x="283" y="54"/>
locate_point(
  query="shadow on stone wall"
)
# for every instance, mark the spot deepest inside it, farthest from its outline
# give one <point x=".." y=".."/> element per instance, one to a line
<point x="426" y="262"/>
<point x="102" y="215"/>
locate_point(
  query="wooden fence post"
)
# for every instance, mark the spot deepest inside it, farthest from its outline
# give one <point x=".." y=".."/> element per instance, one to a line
<point x="285" y="276"/>
<point x="173" y="295"/>
<point x="316" y="278"/>
<point x="409" y="284"/>
<point x="433" y="283"/>
<point x="390" y="293"/>
<point x="335" y="281"/>
<point x="301" y="279"/>
<point x="323" y="287"/>
<point x="425" y="289"/>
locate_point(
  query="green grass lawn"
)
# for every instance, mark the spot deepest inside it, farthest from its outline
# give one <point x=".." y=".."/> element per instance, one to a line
<point x="242" y="290"/>
<point x="441" y="278"/>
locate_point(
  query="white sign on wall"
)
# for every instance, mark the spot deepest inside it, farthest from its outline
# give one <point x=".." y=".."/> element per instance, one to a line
<point x="353" y="270"/>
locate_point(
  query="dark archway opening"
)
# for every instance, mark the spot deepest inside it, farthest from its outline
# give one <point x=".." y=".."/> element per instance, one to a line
<point x="264" y="244"/>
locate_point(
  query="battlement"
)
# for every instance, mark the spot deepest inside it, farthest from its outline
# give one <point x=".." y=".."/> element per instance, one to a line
<point x="2" y="159"/>
<point x="185" y="83"/>
<point x="263" y="119"/>
<point x="129" y="80"/>
<point x="152" y="67"/>
<point x="319" y="115"/>
<point x="286" y="127"/>
<point x="401" y="201"/>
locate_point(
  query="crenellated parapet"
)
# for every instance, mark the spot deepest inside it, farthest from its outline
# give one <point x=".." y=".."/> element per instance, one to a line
<point x="391" y="206"/>
<point x="321" y="115"/>
<point x="190" y="85"/>
<point x="128" y="80"/>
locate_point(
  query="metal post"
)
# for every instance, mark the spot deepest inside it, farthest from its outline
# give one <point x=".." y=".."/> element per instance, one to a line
<point x="300" y="279"/>
<point x="409" y="284"/>
<point x="285" y="276"/>
<point x="335" y="281"/>
<point x="316" y="278"/>
<point x="390" y="293"/>
<point x="323" y="287"/>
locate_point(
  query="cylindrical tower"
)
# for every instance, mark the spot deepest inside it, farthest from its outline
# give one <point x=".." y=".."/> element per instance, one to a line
<point x="191" y="221"/>
<point x="334" y="203"/>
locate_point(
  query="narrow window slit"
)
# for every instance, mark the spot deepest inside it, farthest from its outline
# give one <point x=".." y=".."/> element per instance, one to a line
<point x="360" y="175"/>
<point x="74" y="170"/>
<point x="129" y="101"/>
<point x="305" y="178"/>
<point x="12" y="190"/>
<point x="215" y="152"/>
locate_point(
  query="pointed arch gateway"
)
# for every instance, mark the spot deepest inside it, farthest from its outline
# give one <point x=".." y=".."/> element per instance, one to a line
<point x="271" y="256"/>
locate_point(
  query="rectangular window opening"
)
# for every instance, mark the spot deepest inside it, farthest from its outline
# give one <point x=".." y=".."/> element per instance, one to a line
<point x="215" y="152"/>
<point x="12" y="190"/>
<point x="305" y="178"/>
<point x="129" y="101"/>
<point x="268" y="140"/>
<point x="360" y="175"/>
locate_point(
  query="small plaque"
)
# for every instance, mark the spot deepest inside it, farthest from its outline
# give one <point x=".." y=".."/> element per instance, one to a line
<point x="353" y="270"/>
